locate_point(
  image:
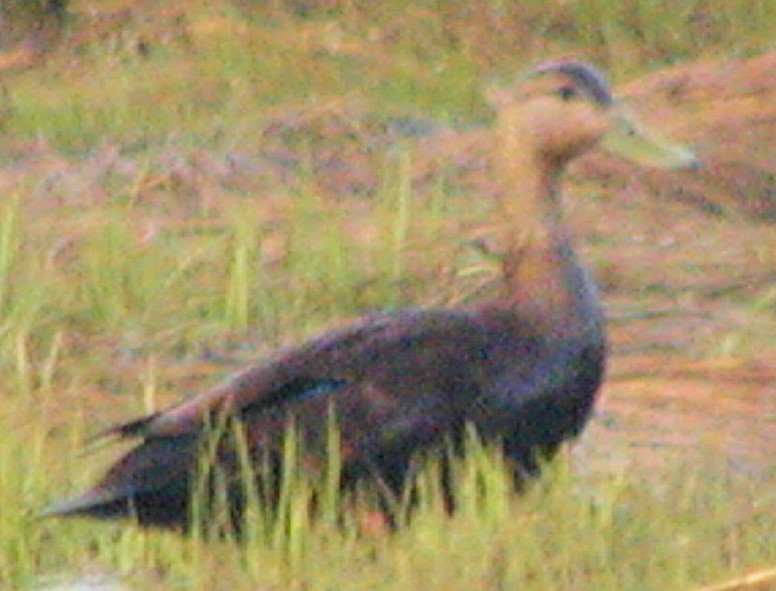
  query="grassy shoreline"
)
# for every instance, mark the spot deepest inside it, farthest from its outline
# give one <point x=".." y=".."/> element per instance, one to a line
<point x="167" y="216"/>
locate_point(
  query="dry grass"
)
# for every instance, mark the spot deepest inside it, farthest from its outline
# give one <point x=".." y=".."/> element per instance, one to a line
<point x="183" y="194"/>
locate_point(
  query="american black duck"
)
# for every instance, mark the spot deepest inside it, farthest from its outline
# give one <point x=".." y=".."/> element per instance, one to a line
<point x="523" y="368"/>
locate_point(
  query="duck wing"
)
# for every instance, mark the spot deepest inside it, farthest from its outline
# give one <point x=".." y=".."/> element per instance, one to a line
<point x="396" y="379"/>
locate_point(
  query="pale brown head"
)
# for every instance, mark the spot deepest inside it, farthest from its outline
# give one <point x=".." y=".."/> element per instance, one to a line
<point x="560" y="109"/>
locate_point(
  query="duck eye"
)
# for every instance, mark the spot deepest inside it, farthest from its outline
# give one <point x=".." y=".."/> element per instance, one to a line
<point x="566" y="93"/>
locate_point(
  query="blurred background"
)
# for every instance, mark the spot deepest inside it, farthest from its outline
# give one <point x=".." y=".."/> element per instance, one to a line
<point x="188" y="185"/>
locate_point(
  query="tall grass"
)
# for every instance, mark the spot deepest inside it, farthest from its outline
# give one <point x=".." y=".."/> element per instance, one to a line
<point x="244" y="271"/>
<point x="9" y="245"/>
<point x="570" y="530"/>
<point x="113" y="305"/>
<point x="566" y="531"/>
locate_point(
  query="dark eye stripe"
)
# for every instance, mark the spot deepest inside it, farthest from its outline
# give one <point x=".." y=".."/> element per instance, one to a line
<point x="584" y="76"/>
<point x="567" y="92"/>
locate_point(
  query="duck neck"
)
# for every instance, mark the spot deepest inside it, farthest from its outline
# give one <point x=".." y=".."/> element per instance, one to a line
<point x="544" y="283"/>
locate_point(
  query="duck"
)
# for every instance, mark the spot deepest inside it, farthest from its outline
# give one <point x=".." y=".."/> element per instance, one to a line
<point x="521" y="368"/>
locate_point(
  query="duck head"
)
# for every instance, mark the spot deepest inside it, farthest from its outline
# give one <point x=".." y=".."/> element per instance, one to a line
<point x="561" y="109"/>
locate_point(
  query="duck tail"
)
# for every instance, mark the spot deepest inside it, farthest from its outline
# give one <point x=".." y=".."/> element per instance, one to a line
<point x="151" y="483"/>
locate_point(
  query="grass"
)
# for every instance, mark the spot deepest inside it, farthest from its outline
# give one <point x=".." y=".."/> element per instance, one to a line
<point x="201" y="66"/>
<point x="135" y="264"/>
<point x="141" y="311"/>
<point x="612" y="531"/>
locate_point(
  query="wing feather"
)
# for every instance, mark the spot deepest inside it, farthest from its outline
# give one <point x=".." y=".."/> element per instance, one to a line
<point x="407" y="355"/>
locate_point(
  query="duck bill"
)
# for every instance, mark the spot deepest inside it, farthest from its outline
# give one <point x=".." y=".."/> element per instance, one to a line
<point x="633" y="142"/>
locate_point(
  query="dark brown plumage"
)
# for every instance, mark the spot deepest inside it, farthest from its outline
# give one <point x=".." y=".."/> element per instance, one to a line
<point x="522" y="368"/>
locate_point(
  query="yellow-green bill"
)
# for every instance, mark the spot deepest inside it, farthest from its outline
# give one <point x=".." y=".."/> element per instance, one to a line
<point x="631" y="141"/>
